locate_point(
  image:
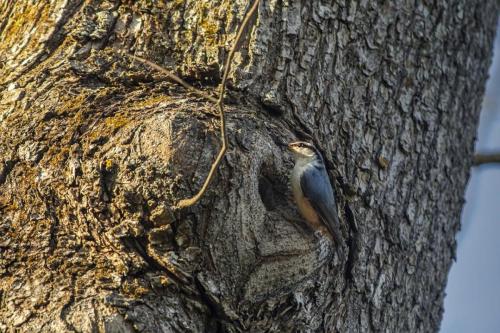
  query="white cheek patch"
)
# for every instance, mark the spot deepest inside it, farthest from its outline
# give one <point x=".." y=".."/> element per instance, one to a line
<point x="305" y="151"/>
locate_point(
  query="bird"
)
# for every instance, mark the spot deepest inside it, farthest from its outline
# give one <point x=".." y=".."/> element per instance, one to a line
<point x="313" y="191"/>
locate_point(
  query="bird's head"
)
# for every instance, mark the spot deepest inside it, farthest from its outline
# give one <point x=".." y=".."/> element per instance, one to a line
<point x="304" y="150"/>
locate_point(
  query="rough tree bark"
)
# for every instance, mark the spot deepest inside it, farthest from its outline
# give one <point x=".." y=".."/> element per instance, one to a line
<point x="95" y="150"/>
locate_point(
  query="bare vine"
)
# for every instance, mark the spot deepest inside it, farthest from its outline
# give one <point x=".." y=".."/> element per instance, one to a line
<point x="175" y="78"/>
<point x="219" y="102"/>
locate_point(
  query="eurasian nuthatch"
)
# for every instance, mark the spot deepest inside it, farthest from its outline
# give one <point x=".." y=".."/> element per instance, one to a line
<point x="312" y="190"/>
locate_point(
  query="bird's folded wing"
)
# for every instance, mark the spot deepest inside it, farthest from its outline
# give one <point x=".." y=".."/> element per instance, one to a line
<point x="317" y="189"/>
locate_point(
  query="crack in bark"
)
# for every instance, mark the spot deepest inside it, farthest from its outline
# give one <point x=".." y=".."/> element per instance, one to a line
<point x="54" y="226"/>
<point x="181" y="278"/>
<point x="216" y="315"/>
<point x="352" y="245"/>
<point x="8" y="166"/>
<point x="66" y="307"/>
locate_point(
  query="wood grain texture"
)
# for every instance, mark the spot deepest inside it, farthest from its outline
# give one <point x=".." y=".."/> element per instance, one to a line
<point x="96" y="149"/>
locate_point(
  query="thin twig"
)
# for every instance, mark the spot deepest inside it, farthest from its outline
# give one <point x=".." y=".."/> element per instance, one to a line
<point x="220" y="104"/>
<point x="481" y="159"/>
<point x="174" y="78"/>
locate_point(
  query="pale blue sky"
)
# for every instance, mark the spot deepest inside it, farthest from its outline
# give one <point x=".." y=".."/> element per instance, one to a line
<point x="472" y="303"/>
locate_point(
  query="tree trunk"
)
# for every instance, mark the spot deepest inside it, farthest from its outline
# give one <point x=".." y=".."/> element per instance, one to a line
<point x="95" y="150"/>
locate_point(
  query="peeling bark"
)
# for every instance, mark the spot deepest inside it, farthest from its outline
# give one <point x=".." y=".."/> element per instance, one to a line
<point x="95" y="149"/>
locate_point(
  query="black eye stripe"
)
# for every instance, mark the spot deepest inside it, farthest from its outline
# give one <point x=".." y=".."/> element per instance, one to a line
<point x="302" y="145"/>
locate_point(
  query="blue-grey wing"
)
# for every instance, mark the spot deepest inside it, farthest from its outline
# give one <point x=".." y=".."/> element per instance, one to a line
<point x="317" y="189"/>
